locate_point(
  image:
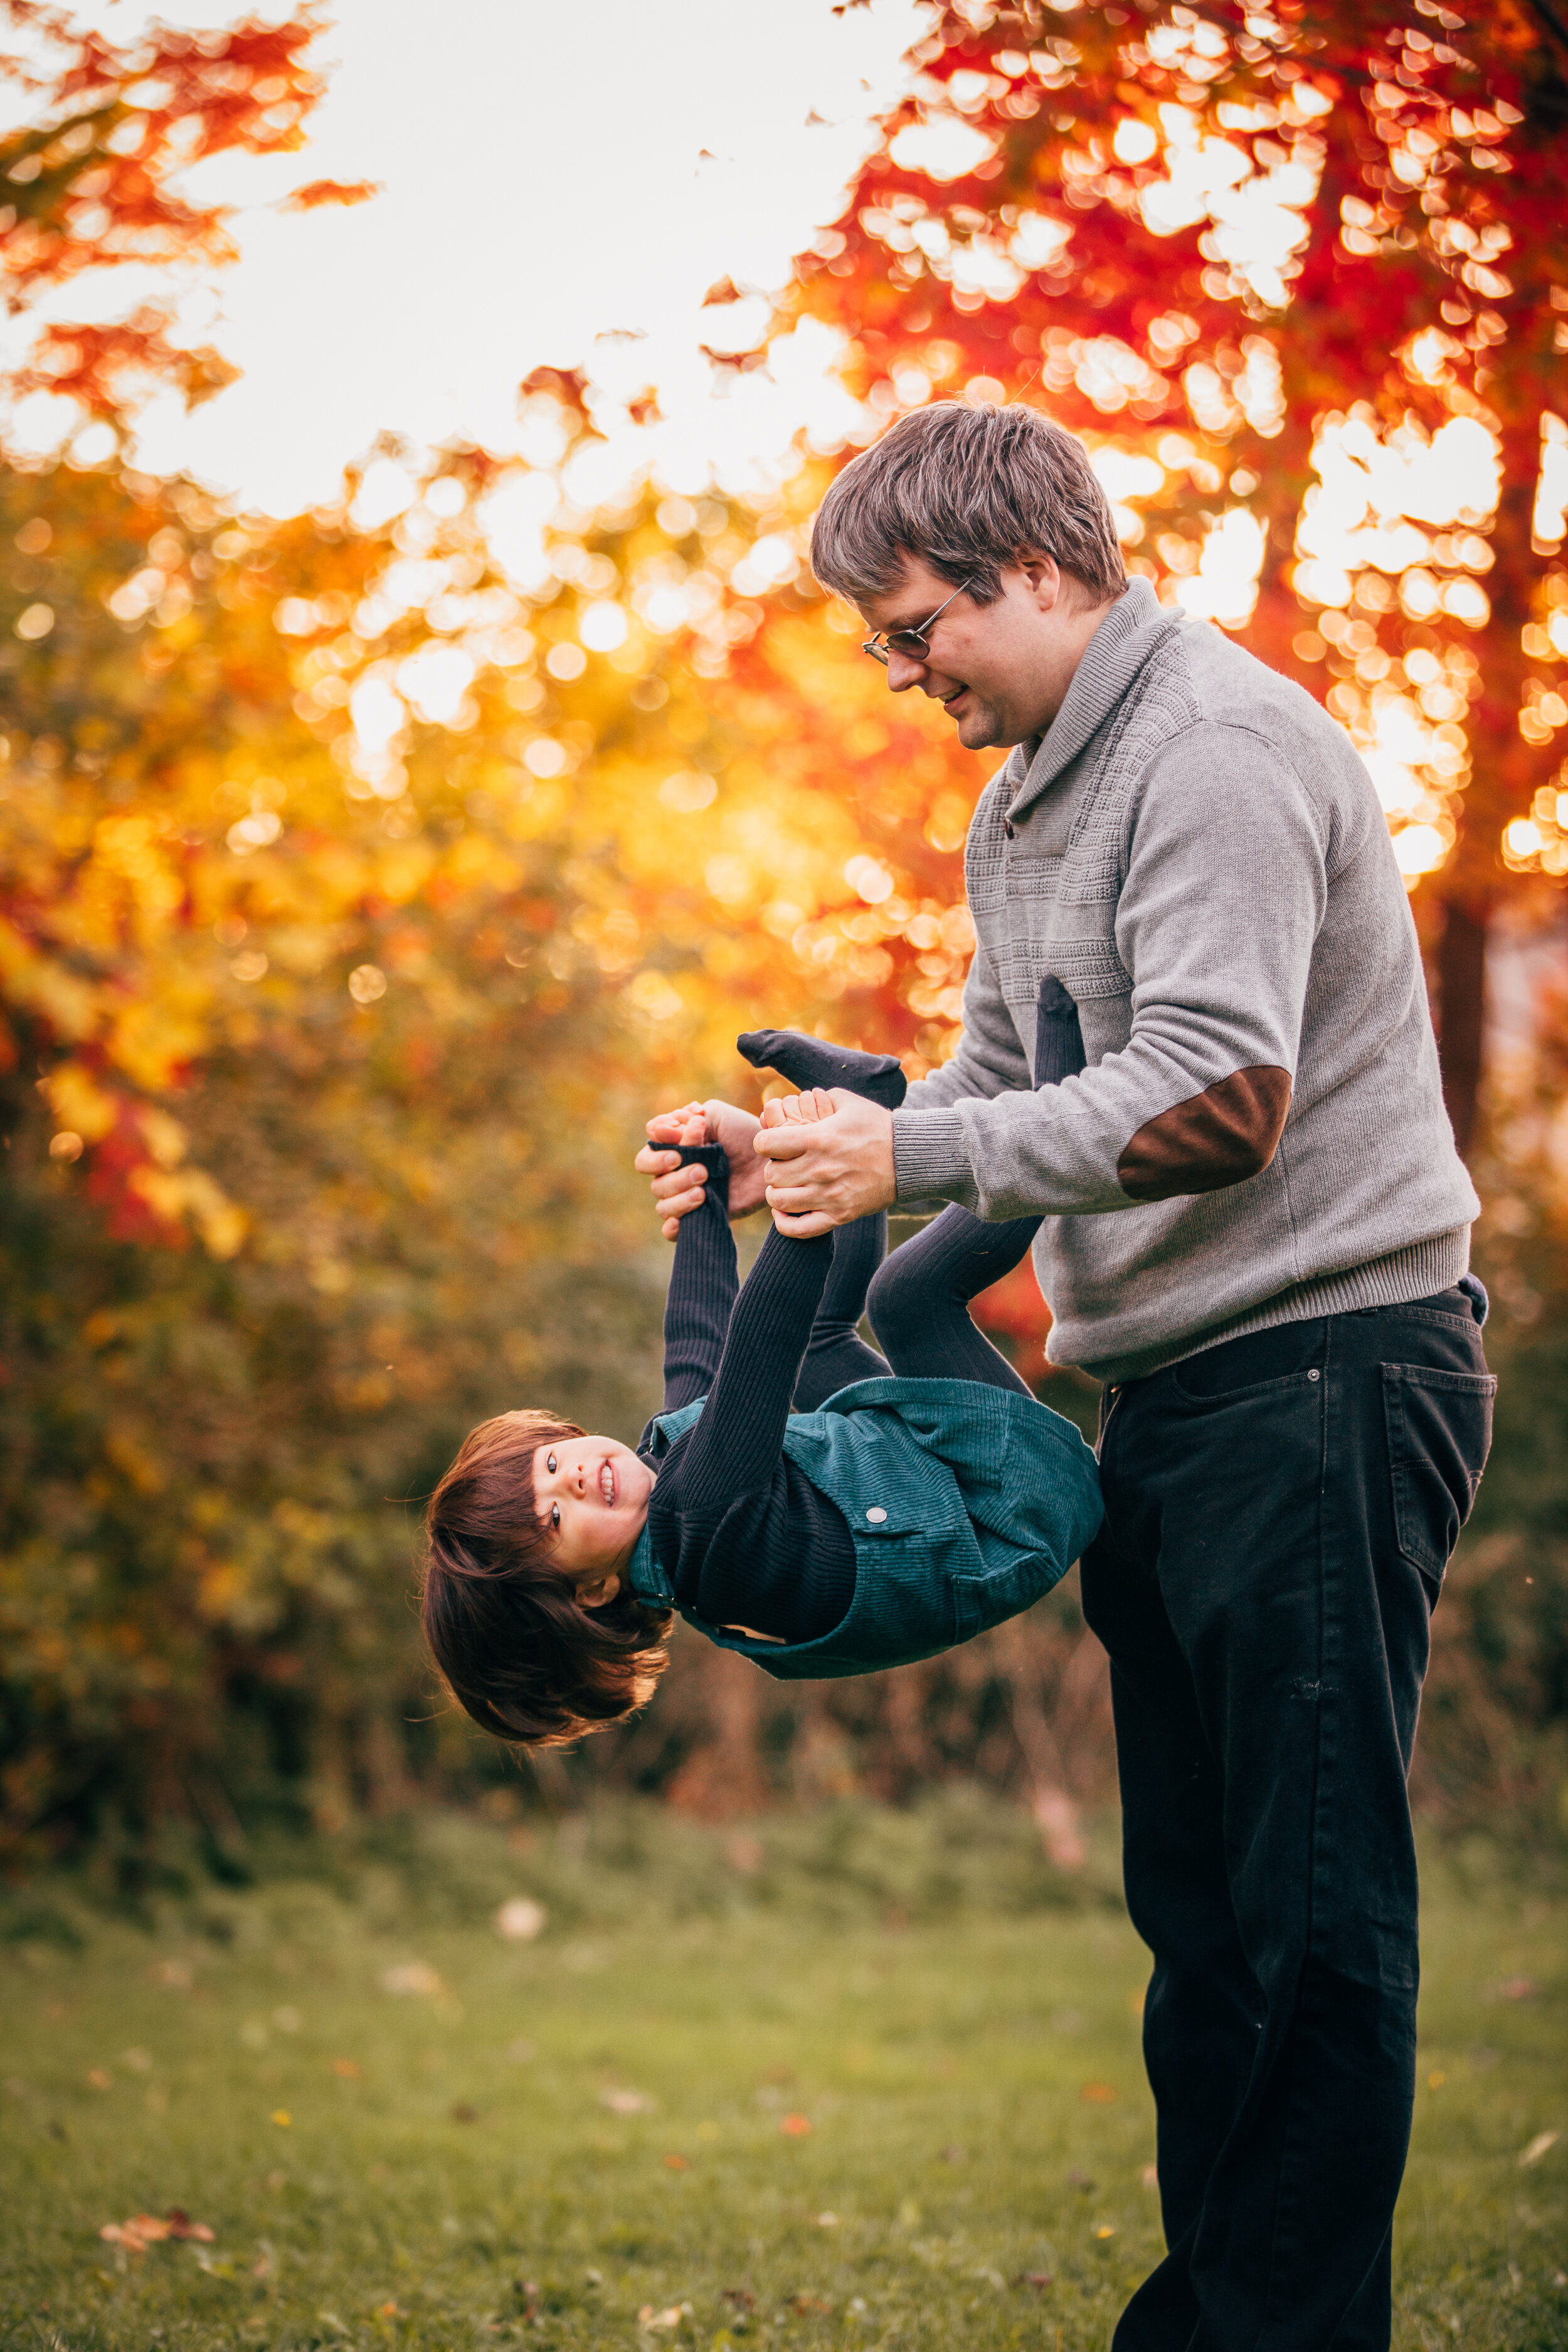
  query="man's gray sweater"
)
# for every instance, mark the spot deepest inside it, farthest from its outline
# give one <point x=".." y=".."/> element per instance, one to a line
<point x="1195" y="852"/>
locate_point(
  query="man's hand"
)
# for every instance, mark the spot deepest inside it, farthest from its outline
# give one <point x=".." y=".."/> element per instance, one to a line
<point x="677" y="1190"/>
<point x="829" y="1172"/>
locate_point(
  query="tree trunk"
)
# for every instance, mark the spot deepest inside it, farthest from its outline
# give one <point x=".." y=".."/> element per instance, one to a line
<point x="1461" y="1013"/>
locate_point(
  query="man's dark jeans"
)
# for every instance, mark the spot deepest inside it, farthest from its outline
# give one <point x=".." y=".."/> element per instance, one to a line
<point x="1280" y="1510"/>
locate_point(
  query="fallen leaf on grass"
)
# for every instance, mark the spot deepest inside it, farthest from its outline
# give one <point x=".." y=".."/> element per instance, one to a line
<point x="803" y="2305"/>
<point x="1518" y="1989"/>
<point x="1105" y="2230"/>
<point x="282" y="2118"/>
<point x="795" y="2126"/>
<point x="410" y="1977"/>
<point x="678" y="2163"/>
<point x="825" y="2221"/>
<point x="462" y="2113"/>
<point x="100" y="2079"/>
<point x="1537" y="2147"/>
<point x="1038" y="2280"/>
<point x="144" y="2230"/>
<point x="649" y="2317"/>
<point x="346" y="2068"/>
<point x="1098" y="2095"/>
<point x="521" y="1920"/>
<point x="741" y="2296"/>
<point x="626" y="2103"/>
<point x="388" y="2310"/>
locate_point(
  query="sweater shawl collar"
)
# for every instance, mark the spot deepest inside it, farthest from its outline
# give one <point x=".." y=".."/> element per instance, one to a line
<point x="1136" y="623"/>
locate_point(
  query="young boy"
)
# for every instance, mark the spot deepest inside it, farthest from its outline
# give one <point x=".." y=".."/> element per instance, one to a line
<point x="895" y="1512"/>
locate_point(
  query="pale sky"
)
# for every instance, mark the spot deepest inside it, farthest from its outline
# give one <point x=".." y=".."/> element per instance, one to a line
<point x="543" y="185"/>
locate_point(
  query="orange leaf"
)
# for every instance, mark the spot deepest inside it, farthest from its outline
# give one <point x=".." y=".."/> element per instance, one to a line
<point x="1098" y="2095"/>
<point x="795" y="2126"/>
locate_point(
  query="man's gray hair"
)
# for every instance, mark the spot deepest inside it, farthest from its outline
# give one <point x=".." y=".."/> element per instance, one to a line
<point x="963" y="489"/>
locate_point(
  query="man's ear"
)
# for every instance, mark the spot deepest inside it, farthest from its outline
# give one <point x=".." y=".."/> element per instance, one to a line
<point x="1043" y="575"/>
<point x="599" y="1595"/>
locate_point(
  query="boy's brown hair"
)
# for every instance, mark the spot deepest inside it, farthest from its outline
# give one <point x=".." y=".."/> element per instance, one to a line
<point x="514" y="1644"/>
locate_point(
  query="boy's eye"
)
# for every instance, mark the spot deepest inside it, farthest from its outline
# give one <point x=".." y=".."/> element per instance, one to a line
<point x="550" y="1464"/>
<point x="556" y="1517"/>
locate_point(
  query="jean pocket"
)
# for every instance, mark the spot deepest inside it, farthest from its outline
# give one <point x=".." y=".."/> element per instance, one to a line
<point x="1439" y="1428"/>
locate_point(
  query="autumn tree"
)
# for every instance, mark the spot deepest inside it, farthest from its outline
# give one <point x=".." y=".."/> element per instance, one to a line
<point x="1202" y="234"/>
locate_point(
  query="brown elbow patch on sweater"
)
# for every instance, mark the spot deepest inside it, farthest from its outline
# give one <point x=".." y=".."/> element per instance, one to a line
<point x="1221" y="1137"/>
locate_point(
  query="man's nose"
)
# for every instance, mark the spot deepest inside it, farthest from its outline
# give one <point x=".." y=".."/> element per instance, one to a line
<point x="903" y="672"/>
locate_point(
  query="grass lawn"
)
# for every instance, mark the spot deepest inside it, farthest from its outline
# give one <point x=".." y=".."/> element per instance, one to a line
<point x="850" y="2080"/>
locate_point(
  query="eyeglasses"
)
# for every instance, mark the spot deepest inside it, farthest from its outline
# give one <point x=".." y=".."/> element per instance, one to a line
<point x="913" y="644"/>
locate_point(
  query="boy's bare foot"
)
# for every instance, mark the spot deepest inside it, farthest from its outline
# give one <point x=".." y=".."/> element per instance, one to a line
<point x="793" y="1111"/>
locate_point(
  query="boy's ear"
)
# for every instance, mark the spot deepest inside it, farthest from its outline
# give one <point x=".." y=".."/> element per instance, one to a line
<point x="599" y="1595"/>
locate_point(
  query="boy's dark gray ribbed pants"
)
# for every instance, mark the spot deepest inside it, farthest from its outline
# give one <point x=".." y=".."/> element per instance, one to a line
<point x="1280" y="1510"/>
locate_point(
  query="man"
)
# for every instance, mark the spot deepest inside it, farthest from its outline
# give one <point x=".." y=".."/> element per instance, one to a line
<point x="1257" y="1237"/>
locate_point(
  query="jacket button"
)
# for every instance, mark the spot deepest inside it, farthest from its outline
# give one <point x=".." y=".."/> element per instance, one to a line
<point x="1007" y="826"/>
<point x="876" y="1515"/>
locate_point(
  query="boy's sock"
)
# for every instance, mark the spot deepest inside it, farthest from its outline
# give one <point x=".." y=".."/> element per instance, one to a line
<point x="809" y="1062"/>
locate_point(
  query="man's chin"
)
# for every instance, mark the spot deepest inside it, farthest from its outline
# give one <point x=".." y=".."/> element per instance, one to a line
<point x="977" y="730"/>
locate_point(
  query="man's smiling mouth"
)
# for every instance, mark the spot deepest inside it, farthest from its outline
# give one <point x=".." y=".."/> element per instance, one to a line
<point x="608" y="1484"/>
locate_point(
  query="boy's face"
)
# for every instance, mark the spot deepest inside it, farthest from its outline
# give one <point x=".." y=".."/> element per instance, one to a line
<point x="591" y="1494"/>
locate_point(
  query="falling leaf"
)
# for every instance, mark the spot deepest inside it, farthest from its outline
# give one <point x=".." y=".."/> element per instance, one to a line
<point x="521" y="1919"/>
<point x="795" y="2126"/>
<point x="1537" y="2147"/>
<point x="282" y="2118"/>
<point x="316" y="193"/>
<point x="347" y="2068"/>
<point x="678" y="2163"/>
<point x="1098" y="2095"/>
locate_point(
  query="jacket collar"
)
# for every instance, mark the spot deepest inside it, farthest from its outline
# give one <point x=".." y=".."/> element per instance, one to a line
<point x="1118" y="650"/>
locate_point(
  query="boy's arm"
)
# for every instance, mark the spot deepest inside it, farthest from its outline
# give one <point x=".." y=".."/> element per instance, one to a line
<point x="735" y="1448"/>
<point x="703" y="1283"/>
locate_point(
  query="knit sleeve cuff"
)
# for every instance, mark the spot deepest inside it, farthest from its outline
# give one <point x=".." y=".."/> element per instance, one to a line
<point x="931" y="1156"/>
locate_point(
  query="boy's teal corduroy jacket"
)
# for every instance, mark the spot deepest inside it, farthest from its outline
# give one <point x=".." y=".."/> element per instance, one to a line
<point x="966" y="1504"/>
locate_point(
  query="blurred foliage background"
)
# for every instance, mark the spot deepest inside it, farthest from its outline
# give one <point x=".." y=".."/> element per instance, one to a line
<point x="366" y="879"/>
